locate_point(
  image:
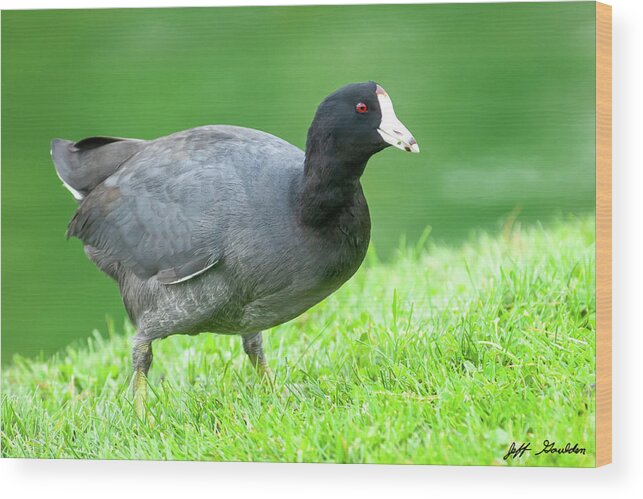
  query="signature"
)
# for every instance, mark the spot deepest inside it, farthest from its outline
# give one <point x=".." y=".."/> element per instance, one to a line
<point x="517" y="451"/>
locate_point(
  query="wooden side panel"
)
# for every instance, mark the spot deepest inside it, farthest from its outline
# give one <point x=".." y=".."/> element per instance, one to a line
<point x="603" y="234"/>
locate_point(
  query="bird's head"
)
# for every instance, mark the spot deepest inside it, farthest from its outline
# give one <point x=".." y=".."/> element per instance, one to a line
<point x="358" y="120"/>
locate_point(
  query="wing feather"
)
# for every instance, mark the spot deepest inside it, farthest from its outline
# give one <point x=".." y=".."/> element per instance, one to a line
<point x="170" y="210"/>
<point x="144" y="218"/>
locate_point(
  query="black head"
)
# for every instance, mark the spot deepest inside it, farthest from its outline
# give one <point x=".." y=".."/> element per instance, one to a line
<point x="358" y="121"/>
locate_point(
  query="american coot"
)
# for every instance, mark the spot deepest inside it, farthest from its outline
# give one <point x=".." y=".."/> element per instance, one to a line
<point x="228" y="229"/>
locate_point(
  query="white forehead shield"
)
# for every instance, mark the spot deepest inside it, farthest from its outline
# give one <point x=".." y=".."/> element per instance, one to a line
<point x="391" y="129"/>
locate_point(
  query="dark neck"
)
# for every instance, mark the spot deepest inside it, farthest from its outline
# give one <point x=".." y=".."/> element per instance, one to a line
<point x="331" y="182"/>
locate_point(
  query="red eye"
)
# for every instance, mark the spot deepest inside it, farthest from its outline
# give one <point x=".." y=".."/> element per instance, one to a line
<point x="361" y="108"/>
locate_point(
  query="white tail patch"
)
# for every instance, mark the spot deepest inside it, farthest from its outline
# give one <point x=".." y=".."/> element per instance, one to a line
<point x="77" y="195"/>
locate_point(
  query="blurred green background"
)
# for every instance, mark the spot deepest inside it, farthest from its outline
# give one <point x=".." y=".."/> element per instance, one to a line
<point x="499" y="96"/>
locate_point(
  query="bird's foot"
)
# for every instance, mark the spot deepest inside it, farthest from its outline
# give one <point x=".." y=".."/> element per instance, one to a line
<point x="140" y="393"/>
<point x="283" y="390"/>
<point x="265" y="374"/>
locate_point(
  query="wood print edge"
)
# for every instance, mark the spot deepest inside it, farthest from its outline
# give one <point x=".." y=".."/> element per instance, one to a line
<point x="603" y="234"/>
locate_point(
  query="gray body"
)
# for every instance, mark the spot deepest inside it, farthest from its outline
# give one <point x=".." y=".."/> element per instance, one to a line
<point x="202" y="229"/>
<point x="227" y="229"/>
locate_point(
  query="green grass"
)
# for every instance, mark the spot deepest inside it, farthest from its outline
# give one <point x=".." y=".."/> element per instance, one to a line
<point x="445" y="355"/>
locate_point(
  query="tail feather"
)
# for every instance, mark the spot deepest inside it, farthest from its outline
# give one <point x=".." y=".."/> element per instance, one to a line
<point x="65" y="166"/>
<point x="83" y="165"/>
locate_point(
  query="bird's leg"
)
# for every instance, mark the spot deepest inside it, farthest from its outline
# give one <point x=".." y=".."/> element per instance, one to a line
<point x="253" y="346"/>
<point x="141" y="361"/>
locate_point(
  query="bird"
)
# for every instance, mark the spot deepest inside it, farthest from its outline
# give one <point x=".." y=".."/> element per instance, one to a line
<point x="227" y="229"/>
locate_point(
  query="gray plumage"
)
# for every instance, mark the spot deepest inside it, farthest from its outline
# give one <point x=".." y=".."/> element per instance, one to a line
<point x="222" y="228"/>
<point x="216" y="199"/>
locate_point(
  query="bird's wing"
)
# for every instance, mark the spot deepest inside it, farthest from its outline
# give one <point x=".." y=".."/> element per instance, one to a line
<point x="156" y="215"/>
